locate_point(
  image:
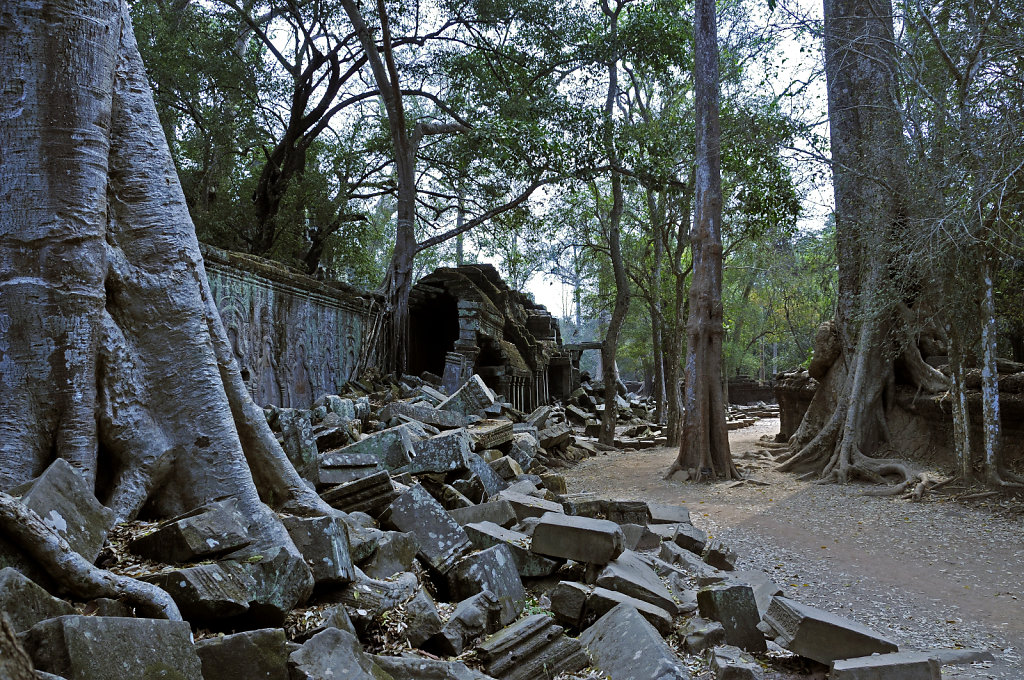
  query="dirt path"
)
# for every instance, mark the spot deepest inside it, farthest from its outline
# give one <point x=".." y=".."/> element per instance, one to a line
<point x="933" y="574"/>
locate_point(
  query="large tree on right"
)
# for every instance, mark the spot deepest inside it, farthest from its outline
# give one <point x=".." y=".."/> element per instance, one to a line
<point x="874" y="336"/>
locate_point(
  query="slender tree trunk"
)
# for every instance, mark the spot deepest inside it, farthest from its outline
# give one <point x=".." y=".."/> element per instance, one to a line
<point x="673" y="335"/>
<point x="656" y="211"/>
<point x="705" y="436"/>
<point x="991" y="425"/>
<point x="609" y="371"/>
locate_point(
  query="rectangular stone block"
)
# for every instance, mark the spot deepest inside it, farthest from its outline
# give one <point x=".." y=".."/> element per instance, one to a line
<point x="211" y="530"/>
<point x="441" y="540"/>
<point x="490" y="434"/>
<point x="470" y="399"/>
<point x="820" y="635"/>
<point x="26" y="603"/>
<point x="323" y="542"/>
<point x="734" y="606"/>
<point x="895" y="666"/>
<point x="582" y="539"/>
<point x="107" y="648"/>
<point x="499" y="512"/>
<point x="630" y="575"/>
<point x="340" y="468"/>
<point x="369" y="494"/>
<point x="530" y="564"/>
<point x="491" y="569"/>
<point x="625" y="646"/>
<point x="446" y="452"/>
<point x="444" y="419"/>
<point x="531" y="649"/>
<point x="258" y="654"/>
<point x="528" y="506"/>
<point x="68" y="505"/>
<point x="391" y="447"/>
<point x="602" y="600"/>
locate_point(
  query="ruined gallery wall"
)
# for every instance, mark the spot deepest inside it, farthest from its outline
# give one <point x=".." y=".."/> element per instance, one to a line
<point x="295" y="338"/>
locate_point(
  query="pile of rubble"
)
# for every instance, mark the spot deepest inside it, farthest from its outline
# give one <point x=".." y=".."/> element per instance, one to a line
<point x="455" y="554"/>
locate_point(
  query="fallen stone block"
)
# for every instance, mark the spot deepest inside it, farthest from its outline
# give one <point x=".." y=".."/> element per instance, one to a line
<point x="493" y="569"/>
<point x="209" y="591"/>
<point x="67" y="504"/>
<point x="528" y="506"/>
<point x="568" y="602"/>
<point x="718" y="555"/>
<point x="391" y="447"/>
<point x="688" y="537"/>
<point x="26" y="603"/>
<point x="490" y="480"/>
<point x="446" y="452"/>
<point x="554" y="483"/>
<point x="524" y="449"/>
<point x="639" y="537"/>
<point x="630" y="575"/>
<point x="764" y="588"/>
<point x="685" y="560"/>
<point x="625" y="646"/>
<point x="323" y="543"/>
<point x="735" y="608"/>
<point x="441" y="540"/>
<point x="340" y="468"/>
<point x="702" y="634"/>
<point x="820" y="635"/>
<point x="529" y="564"/>
<point x="499" y="512"/>
<point x="395" y="553"/>
<point x="473" y="617"/>
<point x="602" y="600"/>
<point x="370" y="494"/>
<point x="668" y="514"/>
<point x="538" y="418"/>
<point x="959" y="657"/>
<point x="506" y="467"/>
<point x="555" y="436"/>
<point x="418" y="668"/>
<point x="424" y="621"/>
<point x="257" y="654"/>
<point x="332" y="655"/>
<point x="443" y="419"/>
<point x="731" y="663"/>
<point x="490" y="434"/>
<point x="299" y="444"/>
<point x="582" y="539"/>
<point x="893" y="666"/>
<point x="102" y="648"/>
<point x="209" y="531"/>
<point x="455" y="496"/>
<point x="470" y="399"/>
<point x="533" y="648"/>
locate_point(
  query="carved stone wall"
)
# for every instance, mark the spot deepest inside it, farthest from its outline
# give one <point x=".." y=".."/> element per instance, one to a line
<point x="295" y="338"/>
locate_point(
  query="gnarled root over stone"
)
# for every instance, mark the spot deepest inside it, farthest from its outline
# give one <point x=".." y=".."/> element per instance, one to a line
<point x="71" y="571"/>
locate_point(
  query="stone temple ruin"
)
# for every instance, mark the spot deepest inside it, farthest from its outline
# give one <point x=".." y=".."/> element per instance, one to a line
<point x="467" y="320"/>
<point x="296" y="338"/>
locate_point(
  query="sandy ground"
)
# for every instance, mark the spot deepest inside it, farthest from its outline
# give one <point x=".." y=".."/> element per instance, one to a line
<point x="932" y="574"/>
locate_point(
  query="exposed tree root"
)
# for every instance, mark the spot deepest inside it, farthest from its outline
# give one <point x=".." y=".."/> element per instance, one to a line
<point x="15" y="663"/>
<point x="71" y="571"/>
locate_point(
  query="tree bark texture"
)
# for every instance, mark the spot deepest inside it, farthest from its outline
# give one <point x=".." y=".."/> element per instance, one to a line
<point x="112" y="353"/>
<point x="609" y="370"/>
<point x="705" y="435"/>
<point x="846" y="421"/>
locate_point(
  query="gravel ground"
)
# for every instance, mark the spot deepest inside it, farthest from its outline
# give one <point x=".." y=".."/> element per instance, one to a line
<point x="933" y="574"/>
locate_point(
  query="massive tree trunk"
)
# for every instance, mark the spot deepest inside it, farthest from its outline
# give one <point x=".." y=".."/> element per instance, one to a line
<point x="705" y="436"/>
<point x="856" y="357"/>
<point x="113" y="352"/>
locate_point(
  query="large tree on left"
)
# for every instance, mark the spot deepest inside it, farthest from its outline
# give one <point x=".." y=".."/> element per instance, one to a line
<point x="112" y="353"/>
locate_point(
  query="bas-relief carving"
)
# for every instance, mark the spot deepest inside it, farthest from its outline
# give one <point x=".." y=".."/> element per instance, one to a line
<point x="291" y="346"/>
